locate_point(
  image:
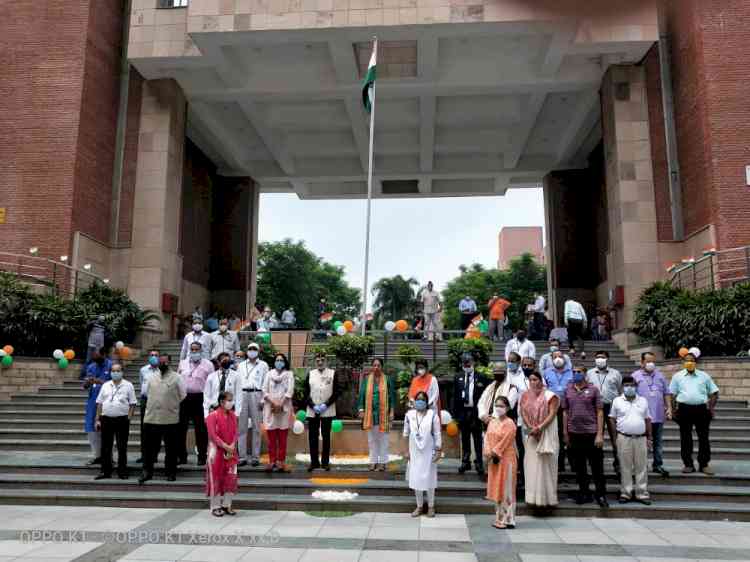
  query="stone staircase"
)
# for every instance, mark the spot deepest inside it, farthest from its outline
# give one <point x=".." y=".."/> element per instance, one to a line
<point x="44" y="450"/>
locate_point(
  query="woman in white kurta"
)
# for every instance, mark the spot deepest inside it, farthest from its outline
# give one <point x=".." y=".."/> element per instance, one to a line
<point x="278" y="389"/>
<point x="422" y="427"/>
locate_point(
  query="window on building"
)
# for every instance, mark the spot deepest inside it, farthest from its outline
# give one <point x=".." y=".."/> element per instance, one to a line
<point x="172" y="4"/>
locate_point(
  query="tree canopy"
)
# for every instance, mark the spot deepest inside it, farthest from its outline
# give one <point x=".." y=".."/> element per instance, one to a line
<point x="519" y="284"/>
<point x="395" y="298"/>
<point x="291" y="275"/>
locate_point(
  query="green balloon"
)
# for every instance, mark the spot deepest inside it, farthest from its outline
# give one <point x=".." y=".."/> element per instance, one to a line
<point x="337" y="426"/>
<point x="302" y="415"/>
<point x="484" y="326"/>
<point x="337" y="323"/>
<point x="263" y="337"/>
<point x="7" y="361"/>
<point x="63" y="363"/>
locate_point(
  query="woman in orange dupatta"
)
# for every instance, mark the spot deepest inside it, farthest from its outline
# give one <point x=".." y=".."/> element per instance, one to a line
<point x="377" y="398"/>
<point x="501" y="458"/>
<point x="221" y="465"/>
<point x="424" y="381"/>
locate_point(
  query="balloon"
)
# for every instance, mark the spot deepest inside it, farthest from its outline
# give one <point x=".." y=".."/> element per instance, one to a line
<point x="452" y="429"/>
<point x="69" y="354"/>
<point x="683" y="351"/>
<point x="337" y="426"/>
<point x="2" y="353"/>
<point x="63" y="363"/>
<point x="695" y="352"/>
<point x="445" y="417"/>
<point x="301" y="416"/>
<point x="402" y="325"/>
<point x="124" y="352"/>
<point x="6" y="361"/>
<point x="119" y="345"/>
<point x="389" y="326"/>
<point x="263" y="337"/>
<point x="337" y="324"/>
<point x="57" y="354"/>
<point x="349" y="325"/>
<point x="8" y="349"/>
<point x="341" y="330"/>
<point x="298" y="428"/>
<point x="484" y="326"/>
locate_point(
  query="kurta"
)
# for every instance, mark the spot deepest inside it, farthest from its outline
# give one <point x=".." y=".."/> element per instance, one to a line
<point x="362" y="402"/>
<point x="424" y="437"/>
<point x="98" y="371"/>
<point x="428" y="384"/>
<point x="278" y="386"/>
<point x="221" y="474"/>
<point x="500" y="440"/>
<point x="540" y="458"/>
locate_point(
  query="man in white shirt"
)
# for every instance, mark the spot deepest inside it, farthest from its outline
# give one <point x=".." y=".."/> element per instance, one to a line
<point x="431" y="307"/>
<point x="609" y="383"/>
<point x="468" y="309"/>
<point x="538" y="318"/>
<point x="114" y="408"/>
<point x="252" y="374"/>
<point x="224" y="378"/>
<point x="576" y="322"/>
<point x="147" y="371"/>
<point x="197" y="335"/>
<point x="546" y="361"/>
<point x="521" y="345"/>
<point x="224" y="341"/>
<point x="631" y="419"/>
<point x="288" y="319"/>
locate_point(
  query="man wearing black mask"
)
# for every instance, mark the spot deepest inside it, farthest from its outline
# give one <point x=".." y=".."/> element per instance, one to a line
<point x="468" y="387"/>
<point x="223" y="379"/>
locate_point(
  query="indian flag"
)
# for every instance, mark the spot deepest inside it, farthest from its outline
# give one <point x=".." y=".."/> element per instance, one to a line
<point x="369" y="82"/>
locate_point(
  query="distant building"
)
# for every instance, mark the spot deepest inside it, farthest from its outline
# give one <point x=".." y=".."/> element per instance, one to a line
<point x="514" y="241"/>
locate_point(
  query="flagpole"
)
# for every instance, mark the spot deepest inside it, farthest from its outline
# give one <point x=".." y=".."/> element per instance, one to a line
<point x="369" y="197"/>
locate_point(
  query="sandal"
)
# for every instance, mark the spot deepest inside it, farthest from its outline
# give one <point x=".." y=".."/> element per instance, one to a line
<point x="372" y="467"/>
<point x="499" y="525"/>
<point x="218" y="512"/>
<point x="229" y="511"/>
<point x="382" y="467"/>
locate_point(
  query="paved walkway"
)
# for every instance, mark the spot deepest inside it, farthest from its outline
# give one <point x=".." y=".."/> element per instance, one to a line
<point x="46" y="533"/>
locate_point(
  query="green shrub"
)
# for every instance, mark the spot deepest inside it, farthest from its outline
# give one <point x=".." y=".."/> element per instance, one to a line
<point x="350" y="351"/>
<point x="481" y="349"/>
<point x="717" y="322"/>
<point x="408" y="353"/>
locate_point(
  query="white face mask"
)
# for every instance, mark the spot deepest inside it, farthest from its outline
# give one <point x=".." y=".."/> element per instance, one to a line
<point x="650" y="367"/>
<point x="252" y="354"/>
<point x="600" y="362"/>
<point x="228" y="404"/>
<point x="223" y="328"/>
<point x="558" y="362"/>
<point x="500" y="411"/>
<point x="197" y="327"/>
<point x="421" y="372"/>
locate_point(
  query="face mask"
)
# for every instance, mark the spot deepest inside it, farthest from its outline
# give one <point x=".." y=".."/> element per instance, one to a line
<point x="690" y="365"/>
<point x="163" y="367"/>
<point x="279" y="365"/>
<point x="650" y="367"/>
<point x="558" y="362"/>
<point x="578" y="377"/>
<point x="223" y="328"/>
<point x="600" y="362"/>
<point x="228" y="404"/>
<point x="320" y="364"/>
<point x="116" y="376"/>
<point x="195" y="356"/>
<point x="468" y="369"/>
<point x="521" y="337"/>
<point x="629" y="391"/>
<point x="421" y="372"/>
<point x="528" y="370"/>
<point x="553" y="348"/>
<point x="512" y="367"/>
<point x="197" y="327"/>
<point x="500" y="411"/>
<point x="420" y="405"/>
<point x="153" y="361"/>
<point x="252" y="354"/>
<point x="225" y="364"/>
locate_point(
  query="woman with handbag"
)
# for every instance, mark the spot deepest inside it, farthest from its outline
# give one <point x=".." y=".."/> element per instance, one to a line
<point x="221" y="465"/>
<point x="538" y="411"/>
<point x="422" y="427"/>
<point x="501" y="459"/>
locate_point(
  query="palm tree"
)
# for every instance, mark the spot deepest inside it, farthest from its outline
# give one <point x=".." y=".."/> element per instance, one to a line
<point x="395" y="297"/>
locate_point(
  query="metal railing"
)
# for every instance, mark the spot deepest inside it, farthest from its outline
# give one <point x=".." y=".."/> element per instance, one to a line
<point x="714" y="270"/>
<point x="46" y="275"/>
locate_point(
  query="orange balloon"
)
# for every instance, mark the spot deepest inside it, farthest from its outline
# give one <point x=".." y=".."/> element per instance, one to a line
<point x="69" y="354"/>
<point x="402" y="326"/>
<point x="8" y="349"/>
<point x="452" y="429"/>
<point x="683" y="351"/>
<point x="349" y="325"/>
<point x="124" y="352"/>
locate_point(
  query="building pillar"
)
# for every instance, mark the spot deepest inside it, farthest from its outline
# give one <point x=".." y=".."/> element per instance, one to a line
<point x="633" y="261"/>
<point x="155" y="261"/>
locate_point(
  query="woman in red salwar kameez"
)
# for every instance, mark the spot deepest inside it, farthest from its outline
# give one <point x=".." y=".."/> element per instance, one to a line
<point x="501" y="458"/>
<point x="221" y="468"/>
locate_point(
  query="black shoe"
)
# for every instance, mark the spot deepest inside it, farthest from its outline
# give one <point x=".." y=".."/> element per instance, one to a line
<point x="102" y="476"/>
<point x="123" y="476"/>
<point x="97" y="460"/>
<point x="479" y="468"/>
<point x="312" y="467"/>
<point x="255" y="462"/>
<point x="623" y="499"/>
<point x="181" y="461"/>
<point x="242" y="463"/>
<point x="202" y="462"/>
<point x="582" y="499"/>
<point x="327" y="467"/>
<point x="644" y="501"/>
<point x="463" y="468"/>
<point x="171" y="478"/>
<point x="145" y="477"/>
<point x="602" y="501"/>
<point x="661" y="470"/>
<point x="139" y="460"/>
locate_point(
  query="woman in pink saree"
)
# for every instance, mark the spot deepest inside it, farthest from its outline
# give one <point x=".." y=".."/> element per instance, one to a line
<point x="221" y="468"/>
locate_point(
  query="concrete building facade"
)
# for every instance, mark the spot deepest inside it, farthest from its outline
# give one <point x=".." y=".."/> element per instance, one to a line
<point x="143" y="131"/>
<point x="514" y="241"/>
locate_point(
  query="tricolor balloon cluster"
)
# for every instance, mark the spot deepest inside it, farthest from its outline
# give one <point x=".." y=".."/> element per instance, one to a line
<point x="345" y="327"/>
<point x="299" y="424"/>
<point x="63" y="358"/>
<point x="6" y="356"/>
<point x="399" y="326"/>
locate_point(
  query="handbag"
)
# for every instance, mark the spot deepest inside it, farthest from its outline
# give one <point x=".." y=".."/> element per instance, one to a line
<point x="546" y="445"/>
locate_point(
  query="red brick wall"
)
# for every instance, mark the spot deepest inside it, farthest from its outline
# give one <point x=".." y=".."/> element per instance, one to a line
<point x="130" y="158"/>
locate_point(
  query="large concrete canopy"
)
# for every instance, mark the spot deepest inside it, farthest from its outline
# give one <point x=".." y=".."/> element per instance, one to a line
<point x="462" y="108"/>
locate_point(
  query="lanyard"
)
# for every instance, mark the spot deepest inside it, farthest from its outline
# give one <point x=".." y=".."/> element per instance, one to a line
<point x="601" y="380"/>
<point x="419" y="424"/>
<point x="650" y="382"/>
<point x="117" y="389"/>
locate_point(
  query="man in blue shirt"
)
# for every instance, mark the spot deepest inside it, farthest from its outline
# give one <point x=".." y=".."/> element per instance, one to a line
<point x="557" y="378"/>
<point x="97" y="373"/>
<point x="468" y="309"/>
<point x="695" y="395"/>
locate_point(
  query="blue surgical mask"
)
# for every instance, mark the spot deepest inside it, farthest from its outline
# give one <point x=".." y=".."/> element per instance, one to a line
<point x="513" y="367"/>
<point x="279" y="365"/>
<point x="629" y="391"/>
<point x="578" y="376"/>
<point x="153" y="361"/>
<point x="116" y="375"/>
<point x="420" y="404"/>
<point x="195" y="356"/>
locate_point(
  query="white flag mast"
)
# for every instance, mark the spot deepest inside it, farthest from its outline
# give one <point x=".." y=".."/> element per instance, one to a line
<point x="368" y="98"/>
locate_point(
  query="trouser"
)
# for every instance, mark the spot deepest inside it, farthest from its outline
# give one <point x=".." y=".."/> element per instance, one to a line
<point x="315" y="424"/>
<point x="89" y="355"/>
<point x="95" y="442"/>
<point x="633" y="464"/>
<point x="252" y="402"/>
<point x="377" y="443"/>
<point x="657" y="432"/>
<point x="419" y="495"/>
<point x="607" y="407"/>
<point x="431" y="325"/>
<point x="154" y="434"/>
<point x="218" y="501"/>
<point x="144" y="403"/>
<point x="538" y="325"/>
<point x="277" y="445"/>
<point x="563" y="448"/>
<point x="583" y="451"/>
<point x="521" y="451"/>
<point x="191" y="409"/>
<point x="466" y="319"/>
<point x="698" y="416"/>
<point x="496" y="329"/>
<point x="471" y="430"/>
<point x="115" y="429"/>
<point x="575" y="334"/>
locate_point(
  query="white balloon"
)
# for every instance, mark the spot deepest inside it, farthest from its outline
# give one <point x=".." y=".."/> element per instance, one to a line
<point x="58" y="354"/>
<point x="695" y="352"/>
<point x="298" y="427"/>
<point x="445" y="417"/>
<point x="2" y="353"/>
<point x="390" y="325"/>
<point x="119" y="345"/>
<point x="341" y="330"/>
